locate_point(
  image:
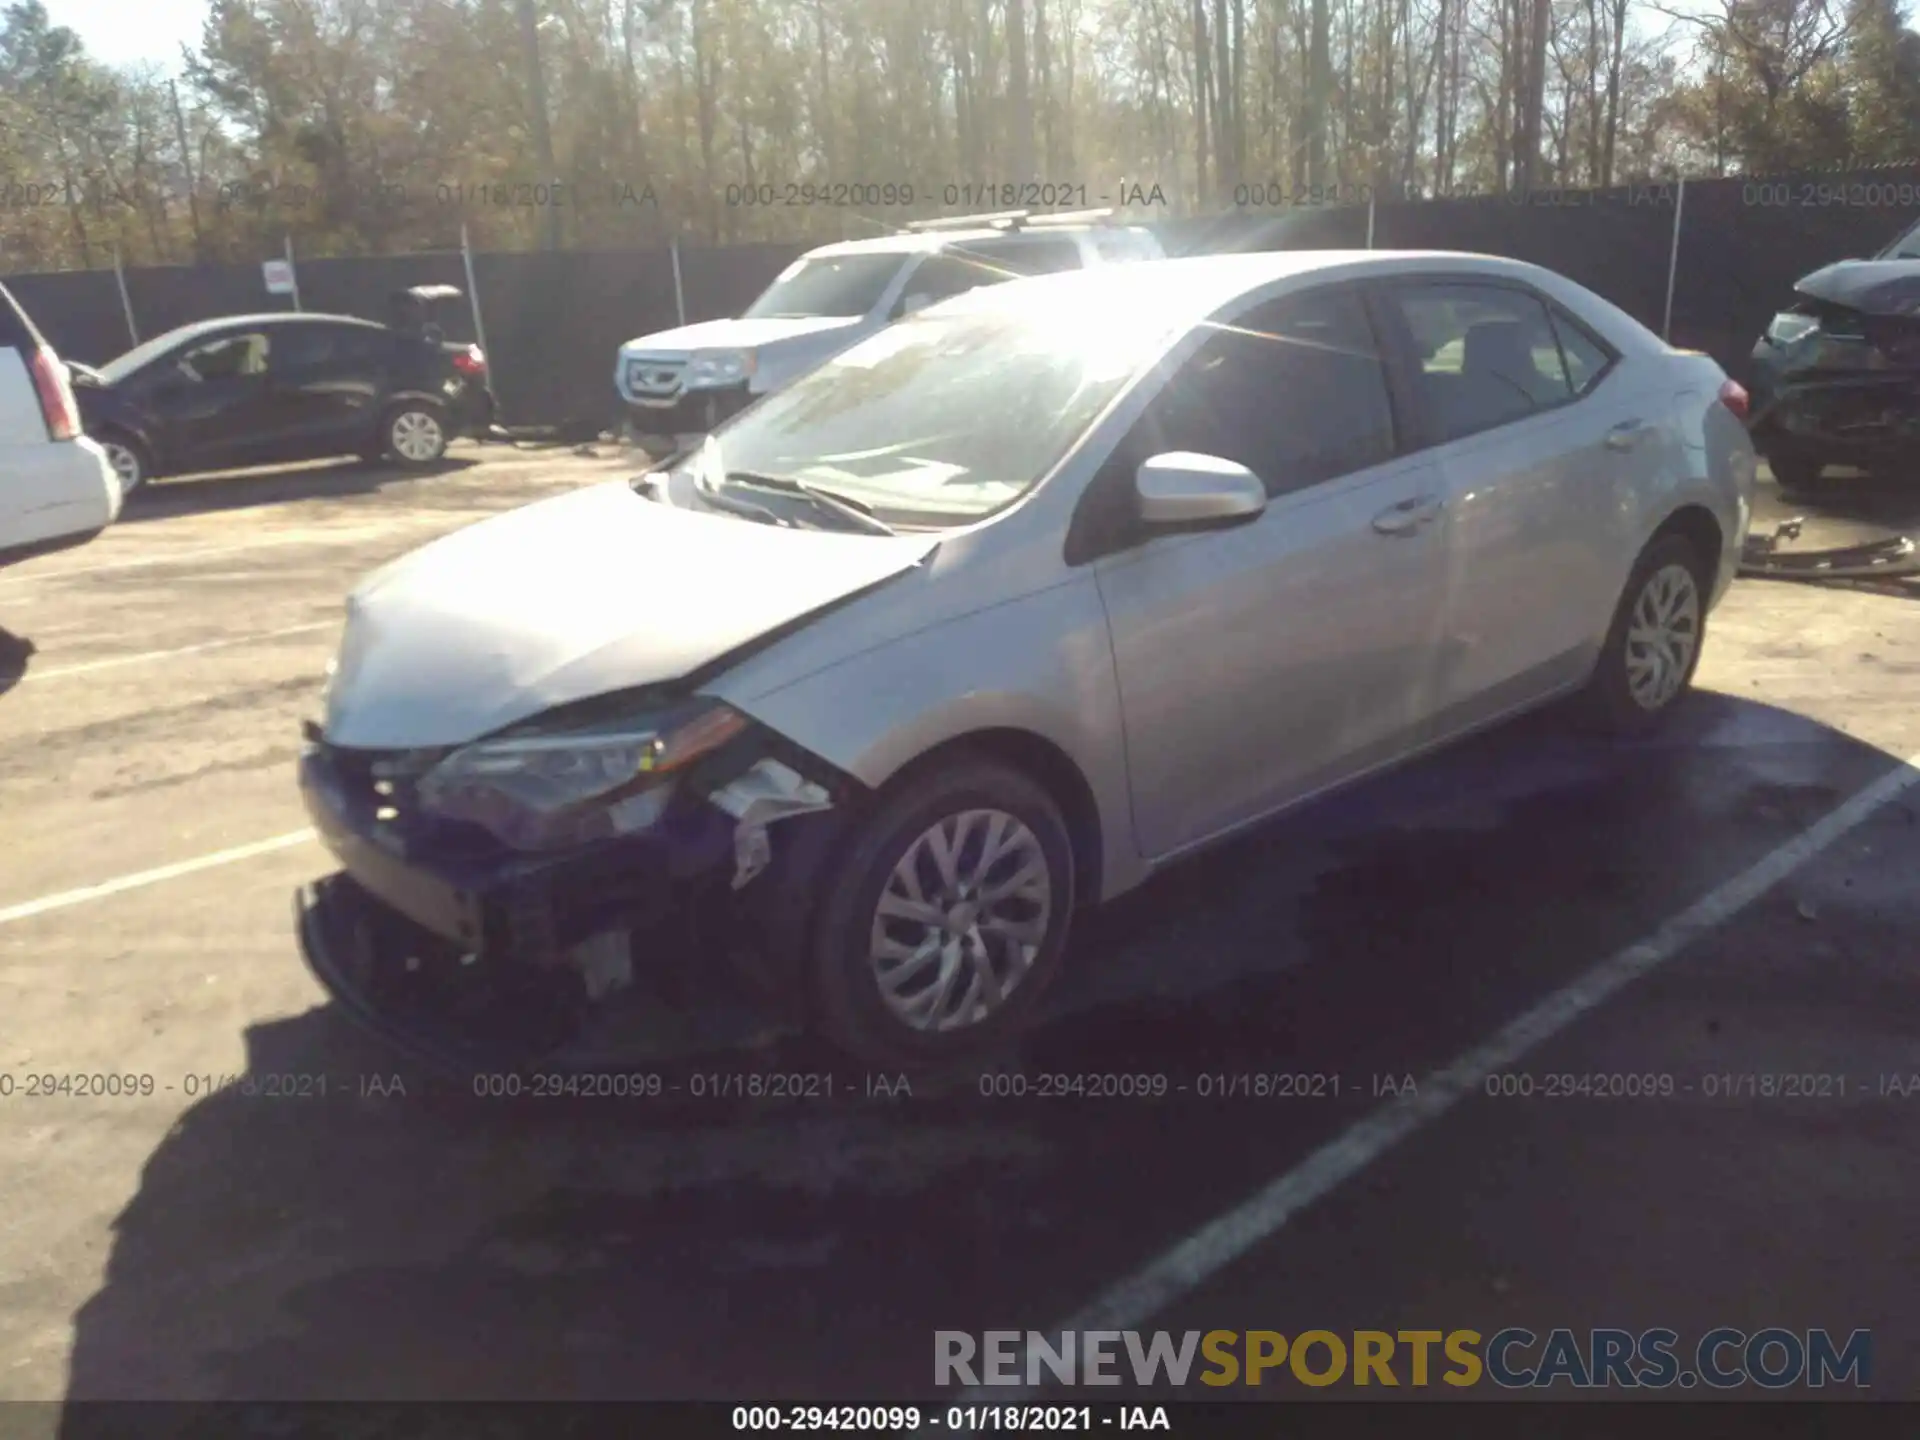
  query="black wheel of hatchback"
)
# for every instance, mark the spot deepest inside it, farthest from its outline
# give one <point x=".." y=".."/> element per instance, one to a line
<point x="414" y="433"/>
<point x="946" y="918"/>
<point x="1792" y="467"/>
<point x="129" y="459"/>
<point x="1653" y="645"/>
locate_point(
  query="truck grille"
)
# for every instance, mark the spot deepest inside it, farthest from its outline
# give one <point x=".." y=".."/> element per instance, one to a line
<point x="654" y="378"/>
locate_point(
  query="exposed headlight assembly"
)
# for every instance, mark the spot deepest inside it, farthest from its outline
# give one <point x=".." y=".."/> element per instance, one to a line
<point x="714" y="368"/>
<point x="1789" y="326"/>
<point x="545" y="789"/>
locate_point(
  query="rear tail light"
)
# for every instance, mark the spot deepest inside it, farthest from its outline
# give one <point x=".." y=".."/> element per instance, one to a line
<point x="55" y="390"/>
<point x="1733" y="395"/>
<point x="470" y="361"/>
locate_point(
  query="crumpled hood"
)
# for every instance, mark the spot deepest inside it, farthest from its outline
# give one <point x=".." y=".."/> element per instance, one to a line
<point x="735" y="334"/>
<point x="1874" y="287"/>
<point x="591" y="592"/>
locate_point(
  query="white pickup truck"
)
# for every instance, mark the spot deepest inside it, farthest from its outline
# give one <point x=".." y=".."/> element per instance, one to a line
<point x="56" y="487"/>
<point x="687" y="380"/>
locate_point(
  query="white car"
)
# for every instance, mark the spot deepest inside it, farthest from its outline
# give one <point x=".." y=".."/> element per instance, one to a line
<point x="56" y="486"/>
<point x="687" y="380"/>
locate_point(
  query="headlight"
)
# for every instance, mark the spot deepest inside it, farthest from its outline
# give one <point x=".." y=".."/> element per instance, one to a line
<point x="544" y="789"/>
<point x="720" y="367"/>
<point x="1788" y="326"/>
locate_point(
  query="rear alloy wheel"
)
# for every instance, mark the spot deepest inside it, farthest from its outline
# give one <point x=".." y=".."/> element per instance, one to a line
<point x="415" y="435"/>
<point x="1654" y="644"/>
<point x="128" y="462"/>
<point x="947" y="920"/>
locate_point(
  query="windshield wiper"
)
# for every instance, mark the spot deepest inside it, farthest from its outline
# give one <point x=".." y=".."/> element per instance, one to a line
<point x="854" y="512"/>
<point x="715" y="496"/>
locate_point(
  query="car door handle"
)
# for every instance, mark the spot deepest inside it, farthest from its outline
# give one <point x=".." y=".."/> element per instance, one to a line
<point x="1626" y="434"/>
<point x="1408" y="516"/>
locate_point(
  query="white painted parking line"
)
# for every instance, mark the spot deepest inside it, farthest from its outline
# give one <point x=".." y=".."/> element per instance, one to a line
<point x="28" y="909"/>
<point x="1221" y="1241"/>
<point x="400" y="525"/>
<point x="145" y="655"/>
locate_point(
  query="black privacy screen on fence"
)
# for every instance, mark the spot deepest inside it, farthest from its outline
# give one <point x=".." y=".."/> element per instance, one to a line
<point x="555" y="320"/>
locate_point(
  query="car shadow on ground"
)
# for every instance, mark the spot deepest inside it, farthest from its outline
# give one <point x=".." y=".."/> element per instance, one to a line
<point x="241" y="489"/>
<point x="378" y="1245"/>
<point x="16" y="653"/>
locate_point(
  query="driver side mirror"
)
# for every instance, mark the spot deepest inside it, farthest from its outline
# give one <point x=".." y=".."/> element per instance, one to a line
<point x="1183" y="490"/>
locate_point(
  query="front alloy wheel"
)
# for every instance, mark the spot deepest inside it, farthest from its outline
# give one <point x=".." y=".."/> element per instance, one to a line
<point x="945" y="918"/>
<point x="960" y="920"/>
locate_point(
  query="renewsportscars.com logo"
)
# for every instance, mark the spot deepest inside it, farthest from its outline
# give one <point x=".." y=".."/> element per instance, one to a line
<point x="1515" y="1359"/>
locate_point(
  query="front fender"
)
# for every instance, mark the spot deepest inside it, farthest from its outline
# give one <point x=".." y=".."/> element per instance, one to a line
<point x="1041" y="664"/>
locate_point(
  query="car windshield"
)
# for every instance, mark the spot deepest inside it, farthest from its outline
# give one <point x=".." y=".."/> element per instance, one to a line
<point x="948" y="416"/>
<point x="121" y="366"/>
<point x="828" y="285"/>
<point x="1907" y="247"/>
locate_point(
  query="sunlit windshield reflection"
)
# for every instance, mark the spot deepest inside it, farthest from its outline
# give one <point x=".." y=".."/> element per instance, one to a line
<point x="948" y="416"/>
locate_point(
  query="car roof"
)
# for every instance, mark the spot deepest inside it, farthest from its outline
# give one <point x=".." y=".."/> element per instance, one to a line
<point x="1197" y="286"/>
<point x="269" y="317"/>
<point x="920" y="242"/>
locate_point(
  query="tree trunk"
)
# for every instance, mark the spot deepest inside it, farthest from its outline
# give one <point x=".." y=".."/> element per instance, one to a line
<point x="1201" y="89"/>
<point x="1534" y="113"/>
<point x="1614" y="66"/>
<point x="1319" y="93"/>
<point x="534" y="76"/>
<point x="823" y="97"/>
<point x="1019" y="97"/>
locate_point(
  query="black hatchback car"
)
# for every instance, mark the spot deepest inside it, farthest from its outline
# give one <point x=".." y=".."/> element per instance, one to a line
<point x="1836" y="377"/>
<point x="265" y="389"/>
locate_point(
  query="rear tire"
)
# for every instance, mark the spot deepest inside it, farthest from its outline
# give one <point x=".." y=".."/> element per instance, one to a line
<point x="414" y="432"/>
<point x="1653" y="645"/>
<point x="1792" y="467"/>
<point x="131" y="464"/>
<point x="984" y="917"/>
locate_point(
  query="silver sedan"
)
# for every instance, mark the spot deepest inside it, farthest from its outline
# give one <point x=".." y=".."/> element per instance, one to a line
<point x="1001" y="611"/>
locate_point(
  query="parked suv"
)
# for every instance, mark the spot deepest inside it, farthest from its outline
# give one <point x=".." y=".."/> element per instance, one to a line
<point x="687" y="380"/>
<point x="270" y="389"/>
<point x="56" y="487"/>
<point x="1835" y="374"/>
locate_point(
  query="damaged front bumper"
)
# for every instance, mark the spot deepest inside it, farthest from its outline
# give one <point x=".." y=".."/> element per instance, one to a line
<point x="1894" y="557"/>
<point x="469" y="954"/>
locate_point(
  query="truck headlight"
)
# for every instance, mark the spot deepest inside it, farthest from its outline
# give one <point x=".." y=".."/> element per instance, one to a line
<point x="543" y="789"/>
<point x="1789" y="326"/>
<point x="719" y="367"/>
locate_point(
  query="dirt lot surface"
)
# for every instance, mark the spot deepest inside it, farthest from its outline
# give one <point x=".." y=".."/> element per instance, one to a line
<point x="201" y="1242"/>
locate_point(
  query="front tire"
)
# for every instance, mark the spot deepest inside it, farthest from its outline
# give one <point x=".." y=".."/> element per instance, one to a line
<point x="946" y="918"/>
<point x="1653" y="646"/>
<point x="415" y="434"/>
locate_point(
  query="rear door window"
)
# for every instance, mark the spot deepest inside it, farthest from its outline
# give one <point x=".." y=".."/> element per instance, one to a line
<point x="304" y="347"/>
<point x="1488" y="354"/>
